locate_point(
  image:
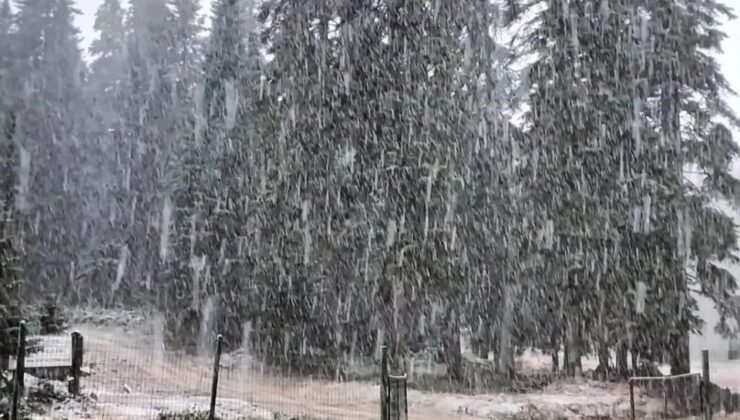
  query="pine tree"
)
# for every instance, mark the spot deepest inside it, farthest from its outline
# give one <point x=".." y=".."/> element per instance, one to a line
<point x="492" y="229"/>
<point x="10" y="293"/>
<point x="625" y="219"/>
<point x="150" y="168"/>
<point x="579" y="107"/>
<point x="216" y="170"/>
<point x="6" y="24"/>
<point x="367" y="168"/>
<point x="686" y="82"/>
<point x="181" y="311"/>
<point x="109" y="53"/>
<point x="50" y="117"/>
<point x="9" y="272"/>
<point x="292" y="187"/>
<point x="105" y="90"/>
<point x="424" y="129"/>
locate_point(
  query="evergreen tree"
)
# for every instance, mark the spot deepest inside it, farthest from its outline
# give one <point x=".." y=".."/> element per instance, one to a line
<point x="291" y="273"/>
<point x="49" y="127"/>
<point x="182" y="316"/>
<point x="583" y="132"/>
<point x="9" y="276"/>
<point x="6" y="24"/>
<point x="108" y="203"/>
<point x="367" y="166"/>
<point x="619" y="224"/>
<point x="150" y="167"/>
<point x="216" y="171"/>
<point x="493" y="230"/>
<point x="686" y="82"/>
<point x="10" y="295"/>
<point x="109" y="55"/>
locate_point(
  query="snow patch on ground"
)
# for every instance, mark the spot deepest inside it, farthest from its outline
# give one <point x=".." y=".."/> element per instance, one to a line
<point x="147" y="406"/>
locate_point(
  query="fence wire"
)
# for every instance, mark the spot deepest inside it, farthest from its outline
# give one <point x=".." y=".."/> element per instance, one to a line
<point x="673" y="396"/>
<point x="132" y="376"/>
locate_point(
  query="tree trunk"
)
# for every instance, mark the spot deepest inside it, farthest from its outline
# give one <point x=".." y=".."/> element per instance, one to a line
<point x="572" y="355"/>
<point x="484" y="342"/>
<point x="603" y="368"/>
<point x="555" y="348"/>
<point x="506" y="353"/>
<point x="636" y="363"/>
<point x="622" y="368"/>
<point x="397" y="349"/>
<point x="452" y="353"/>
<point x="680" y="361"/>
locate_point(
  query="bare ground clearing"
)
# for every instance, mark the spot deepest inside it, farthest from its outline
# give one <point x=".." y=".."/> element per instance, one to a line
<point x="132" y="378"/>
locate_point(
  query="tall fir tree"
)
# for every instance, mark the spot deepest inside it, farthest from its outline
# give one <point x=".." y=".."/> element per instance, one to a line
<point x="6" y="54"/>
<point x="149" y="159"/>
<point x="49" y="128"/>
<point x="214" y="169"/>
<point x="182" y="310"/>
<point x="685" y="80"/>
<point x="9" y="275"/>
<point x="105" y="154"/>
<point x="366" y="172"/>
<point x="630" y="221"/>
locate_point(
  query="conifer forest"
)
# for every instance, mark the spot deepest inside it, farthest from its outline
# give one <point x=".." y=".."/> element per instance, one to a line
<point x="340" y="175"/>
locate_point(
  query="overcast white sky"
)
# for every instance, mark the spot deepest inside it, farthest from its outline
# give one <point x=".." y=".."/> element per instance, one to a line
<point x="88" y="8"/>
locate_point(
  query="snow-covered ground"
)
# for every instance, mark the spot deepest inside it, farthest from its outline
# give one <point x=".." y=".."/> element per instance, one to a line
<point x="723" y="373"/>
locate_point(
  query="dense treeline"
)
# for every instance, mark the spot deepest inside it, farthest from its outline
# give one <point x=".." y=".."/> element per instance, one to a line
<point x="340" y="175"/>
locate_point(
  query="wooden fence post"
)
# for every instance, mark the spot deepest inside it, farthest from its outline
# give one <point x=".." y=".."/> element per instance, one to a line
<point x="632" y="399"/>
<point x="214" y="385"/>
<point x="665" y="399"/>
<point x="707" y="385"/>
<point x="397" y="397"/>
<point x="384" y="394"/>
<point x="76" y="368"/>
<point x="20" y="368"/>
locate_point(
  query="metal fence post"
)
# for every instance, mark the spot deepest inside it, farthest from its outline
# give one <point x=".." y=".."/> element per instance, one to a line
<point x="707" y="385"/>
<point x="214" y="385"/>
<point x="20" y="367"/>
<point x="76" y="368"/>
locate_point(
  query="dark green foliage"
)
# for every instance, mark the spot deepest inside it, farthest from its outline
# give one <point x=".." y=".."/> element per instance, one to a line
<point x="212" y="201"/>
<point x="365" y="183"/>
<point x="9" y="272"/>
<point x="623" y="209"/>
<point x="49" y="115"/>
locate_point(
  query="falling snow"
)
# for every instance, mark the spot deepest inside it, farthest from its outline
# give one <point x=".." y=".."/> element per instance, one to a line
<point x="463" y="182"/>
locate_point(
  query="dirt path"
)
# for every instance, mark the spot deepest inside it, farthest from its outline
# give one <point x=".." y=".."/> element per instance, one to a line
<point x="131" y="378"/>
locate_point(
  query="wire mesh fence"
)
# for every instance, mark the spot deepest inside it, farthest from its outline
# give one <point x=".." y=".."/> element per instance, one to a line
<point x="672" y="396"/>
<point x="132" y="376"/>
<point x="115" y="373"/>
